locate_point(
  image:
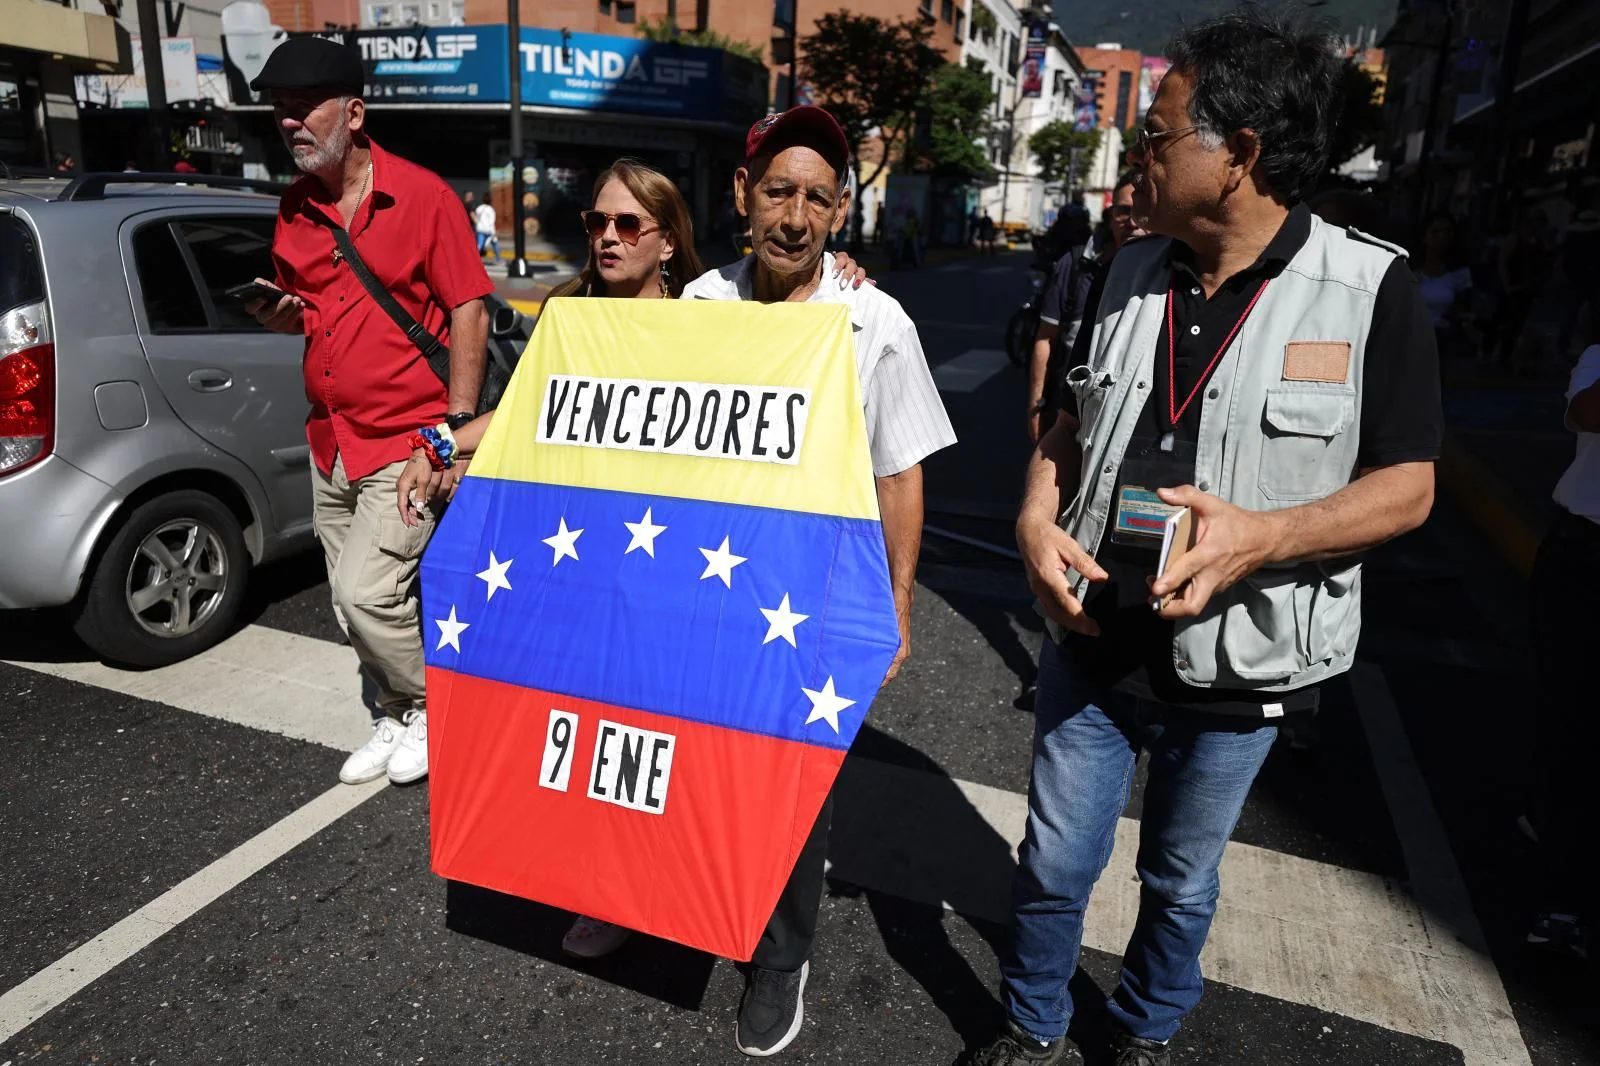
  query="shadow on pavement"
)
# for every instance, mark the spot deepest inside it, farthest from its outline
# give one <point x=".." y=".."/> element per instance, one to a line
<point x="656" y="968"/>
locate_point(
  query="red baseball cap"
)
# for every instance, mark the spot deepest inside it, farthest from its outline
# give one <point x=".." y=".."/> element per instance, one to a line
<point x="805" y="125"/>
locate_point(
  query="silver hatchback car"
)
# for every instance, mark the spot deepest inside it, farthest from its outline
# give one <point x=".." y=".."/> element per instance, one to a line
<point x="152" y="440"/>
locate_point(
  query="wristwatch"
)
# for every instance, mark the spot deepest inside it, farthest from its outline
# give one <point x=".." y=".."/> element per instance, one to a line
<point x="457" y="419"/>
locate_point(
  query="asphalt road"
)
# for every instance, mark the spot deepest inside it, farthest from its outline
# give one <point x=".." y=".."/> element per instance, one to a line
<point x="182" y="880"/>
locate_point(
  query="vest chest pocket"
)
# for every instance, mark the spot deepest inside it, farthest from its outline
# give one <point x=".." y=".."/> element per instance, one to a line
<point x="1307" y="452"/>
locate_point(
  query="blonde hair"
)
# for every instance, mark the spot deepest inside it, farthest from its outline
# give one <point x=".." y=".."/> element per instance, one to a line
<point x="662" y="201"/>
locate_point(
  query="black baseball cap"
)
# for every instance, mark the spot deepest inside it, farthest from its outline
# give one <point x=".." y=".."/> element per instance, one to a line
<point x="310" y="62"/>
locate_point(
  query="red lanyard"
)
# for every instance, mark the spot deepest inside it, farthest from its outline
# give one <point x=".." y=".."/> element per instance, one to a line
<point x="1175" y="413"/>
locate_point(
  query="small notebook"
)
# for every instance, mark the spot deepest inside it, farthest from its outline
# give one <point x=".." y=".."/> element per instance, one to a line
<point x="1176" y="539"/>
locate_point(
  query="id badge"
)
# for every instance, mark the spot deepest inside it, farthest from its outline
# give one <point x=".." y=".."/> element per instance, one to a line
<point x="1140" y="517"/>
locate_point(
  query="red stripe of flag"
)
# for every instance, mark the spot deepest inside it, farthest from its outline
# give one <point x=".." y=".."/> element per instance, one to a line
<point x="493" y="825"/>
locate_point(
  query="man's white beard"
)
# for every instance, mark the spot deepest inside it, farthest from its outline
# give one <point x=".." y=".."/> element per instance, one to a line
<point x="328" y="153"/>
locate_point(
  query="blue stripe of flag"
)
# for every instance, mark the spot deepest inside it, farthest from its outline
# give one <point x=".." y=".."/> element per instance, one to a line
<point x="649" y="632"/>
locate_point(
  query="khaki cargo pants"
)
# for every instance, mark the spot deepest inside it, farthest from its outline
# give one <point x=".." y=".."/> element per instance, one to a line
<point x="372" y="558"/>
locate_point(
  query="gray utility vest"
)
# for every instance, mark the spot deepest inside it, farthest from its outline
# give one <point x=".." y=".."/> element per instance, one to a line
<point x="1279" y="426"/>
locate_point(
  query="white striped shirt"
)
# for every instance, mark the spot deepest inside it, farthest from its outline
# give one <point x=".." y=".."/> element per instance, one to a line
<point x="906" y="420"/>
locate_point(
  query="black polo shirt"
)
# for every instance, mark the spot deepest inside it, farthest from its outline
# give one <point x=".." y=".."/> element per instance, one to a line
<point x="1401" y="421"/>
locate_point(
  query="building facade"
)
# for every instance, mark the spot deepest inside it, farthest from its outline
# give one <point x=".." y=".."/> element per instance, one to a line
<point x="1492" y="110"/>
<point x="1116" y="72"/>
<point x="43" y="46"/>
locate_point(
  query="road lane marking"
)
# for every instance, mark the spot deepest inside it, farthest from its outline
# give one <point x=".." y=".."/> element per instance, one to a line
<point x="970" y="370"/>
<point x="66" y="977"/>
<point x="1338" y="940"/>
<point x="1352" y="943"/>
<point x="295" y="686"/>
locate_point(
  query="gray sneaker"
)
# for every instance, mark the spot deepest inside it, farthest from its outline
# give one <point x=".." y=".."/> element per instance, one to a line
<point x="771" y="1010"/>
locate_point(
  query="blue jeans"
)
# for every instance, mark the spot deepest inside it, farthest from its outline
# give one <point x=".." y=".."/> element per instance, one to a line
<point x="1087" y="740"/>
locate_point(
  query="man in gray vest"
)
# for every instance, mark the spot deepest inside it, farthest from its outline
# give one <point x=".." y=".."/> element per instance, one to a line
<point x="1277" y="377"/>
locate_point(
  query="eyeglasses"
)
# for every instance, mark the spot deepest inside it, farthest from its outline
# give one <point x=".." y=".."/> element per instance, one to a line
<point x="1120" y="211"/>
<point x="1142" y="144"/>
<point x="630" y="226"/>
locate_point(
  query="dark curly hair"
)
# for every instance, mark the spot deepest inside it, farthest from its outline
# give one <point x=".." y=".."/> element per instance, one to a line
<point x="1250" y="69"/>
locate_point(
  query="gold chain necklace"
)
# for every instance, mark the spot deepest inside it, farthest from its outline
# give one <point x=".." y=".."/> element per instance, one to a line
<point x="366" y="179"/>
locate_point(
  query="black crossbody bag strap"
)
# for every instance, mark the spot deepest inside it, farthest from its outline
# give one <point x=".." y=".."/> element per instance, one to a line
<point x="437" y="355"/>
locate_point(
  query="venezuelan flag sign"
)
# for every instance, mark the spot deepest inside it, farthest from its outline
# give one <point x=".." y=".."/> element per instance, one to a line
<point x="656" y="614"/>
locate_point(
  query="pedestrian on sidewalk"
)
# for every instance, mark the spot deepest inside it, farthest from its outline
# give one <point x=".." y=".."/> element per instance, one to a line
<point x="485" y="225"/>
<point x="641" y="246"/>
<point x="369" y="385"/>
<point x="1274" y="376"/>
<point x="1566" y="632"/>
<point x="1446" y="286"/>
<point x="1062" y="305"/>
<point x="792" y="187"/>
<point x="1523" y="266"/>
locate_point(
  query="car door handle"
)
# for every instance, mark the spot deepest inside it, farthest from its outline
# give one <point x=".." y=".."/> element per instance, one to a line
<point x="210" y="379"/>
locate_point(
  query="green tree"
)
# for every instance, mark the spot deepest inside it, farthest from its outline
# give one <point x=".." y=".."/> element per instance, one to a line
<point x="1052" y="145"/>
<point x="872" y="76"/>
<point x="959" y="102"/>
<point x="667" y="31"/>
<point x="1361" y="122"/>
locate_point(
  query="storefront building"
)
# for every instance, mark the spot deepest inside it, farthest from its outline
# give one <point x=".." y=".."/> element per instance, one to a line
<point x="42" y="45"/>
<point x="440" y="97"/>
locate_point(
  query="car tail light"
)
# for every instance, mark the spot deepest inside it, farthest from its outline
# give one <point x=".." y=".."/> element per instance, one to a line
<point x="27" y="387"/>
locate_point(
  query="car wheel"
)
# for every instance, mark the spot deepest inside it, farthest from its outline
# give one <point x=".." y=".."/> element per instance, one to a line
<point x="168" y="584"/>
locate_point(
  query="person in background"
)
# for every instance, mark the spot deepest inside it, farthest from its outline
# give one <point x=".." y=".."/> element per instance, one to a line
<point x="1522" y="266"/>
<point x="469" y="200"/>
<point x="1445" y="284"/>
<point x="1566" y="636"/>
<point x="368" y="383"/>
<point x="986" y="233"/>
<point x="1062" y="305"/>
<point x="485" y="224"/>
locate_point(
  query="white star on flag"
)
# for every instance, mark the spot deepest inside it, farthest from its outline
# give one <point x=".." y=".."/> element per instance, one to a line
<point x="644" y="533"/>
<point x="781" y="623"/>
<point x="450" y="631"/>
<point x="826" y="705"/>
<point x="720" y="563"/>
<point x="564" y="542"/>
<point x="495" y="576"/>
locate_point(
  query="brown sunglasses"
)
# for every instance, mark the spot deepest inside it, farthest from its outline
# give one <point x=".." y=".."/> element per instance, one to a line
<point x="630" y="226"/>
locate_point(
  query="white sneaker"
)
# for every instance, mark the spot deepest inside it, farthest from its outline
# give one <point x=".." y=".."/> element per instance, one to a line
<point x="410" y="759"/>
<point x="590" y="938"/>
<point x="368" y="762"/>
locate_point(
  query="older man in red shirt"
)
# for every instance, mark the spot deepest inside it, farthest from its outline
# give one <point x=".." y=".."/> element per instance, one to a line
<point x="369" y="385"/>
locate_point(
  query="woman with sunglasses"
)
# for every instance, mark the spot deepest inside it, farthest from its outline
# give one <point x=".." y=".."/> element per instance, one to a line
<point x="641" y="246"/>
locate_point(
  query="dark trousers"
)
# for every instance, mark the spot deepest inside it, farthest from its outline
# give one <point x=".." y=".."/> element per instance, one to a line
<point x="1566" y="631"/>
<point x="786" y="943"/>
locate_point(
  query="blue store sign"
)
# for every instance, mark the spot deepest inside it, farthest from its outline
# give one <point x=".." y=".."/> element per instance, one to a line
<point x="583" y="71"/>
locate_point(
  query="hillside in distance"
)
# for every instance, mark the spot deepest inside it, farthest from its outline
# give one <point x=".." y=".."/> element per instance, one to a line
<point x="1148" y="24"/>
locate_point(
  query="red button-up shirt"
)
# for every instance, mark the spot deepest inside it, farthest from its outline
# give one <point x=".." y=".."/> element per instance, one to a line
<point x="370" y="387"/>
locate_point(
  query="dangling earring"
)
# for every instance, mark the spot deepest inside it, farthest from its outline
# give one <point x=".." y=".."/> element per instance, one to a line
<point x="666" y="282"/>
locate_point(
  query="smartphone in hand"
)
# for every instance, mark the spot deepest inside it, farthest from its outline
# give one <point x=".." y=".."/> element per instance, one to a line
<point x="251" y="291"/>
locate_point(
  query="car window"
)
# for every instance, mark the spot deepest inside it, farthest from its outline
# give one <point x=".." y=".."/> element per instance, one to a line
<point x="229" y="252"/>
<point x="21" y="280"/>
<point x="171" y="301"/>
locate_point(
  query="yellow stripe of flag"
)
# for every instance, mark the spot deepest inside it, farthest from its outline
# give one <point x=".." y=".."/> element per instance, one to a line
<point x="785" y="346"/>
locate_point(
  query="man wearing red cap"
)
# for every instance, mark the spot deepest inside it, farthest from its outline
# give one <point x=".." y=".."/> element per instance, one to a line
<point x="792" y="188"/>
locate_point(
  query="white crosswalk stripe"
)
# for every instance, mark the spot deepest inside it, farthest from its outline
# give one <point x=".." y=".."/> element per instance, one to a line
<point x="1351" y="943"/>
<point x="969" y="371"/>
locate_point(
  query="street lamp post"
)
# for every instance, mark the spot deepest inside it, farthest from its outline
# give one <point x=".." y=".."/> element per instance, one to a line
<point x="518" y="267"/>
<point x="155" y="82"/>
